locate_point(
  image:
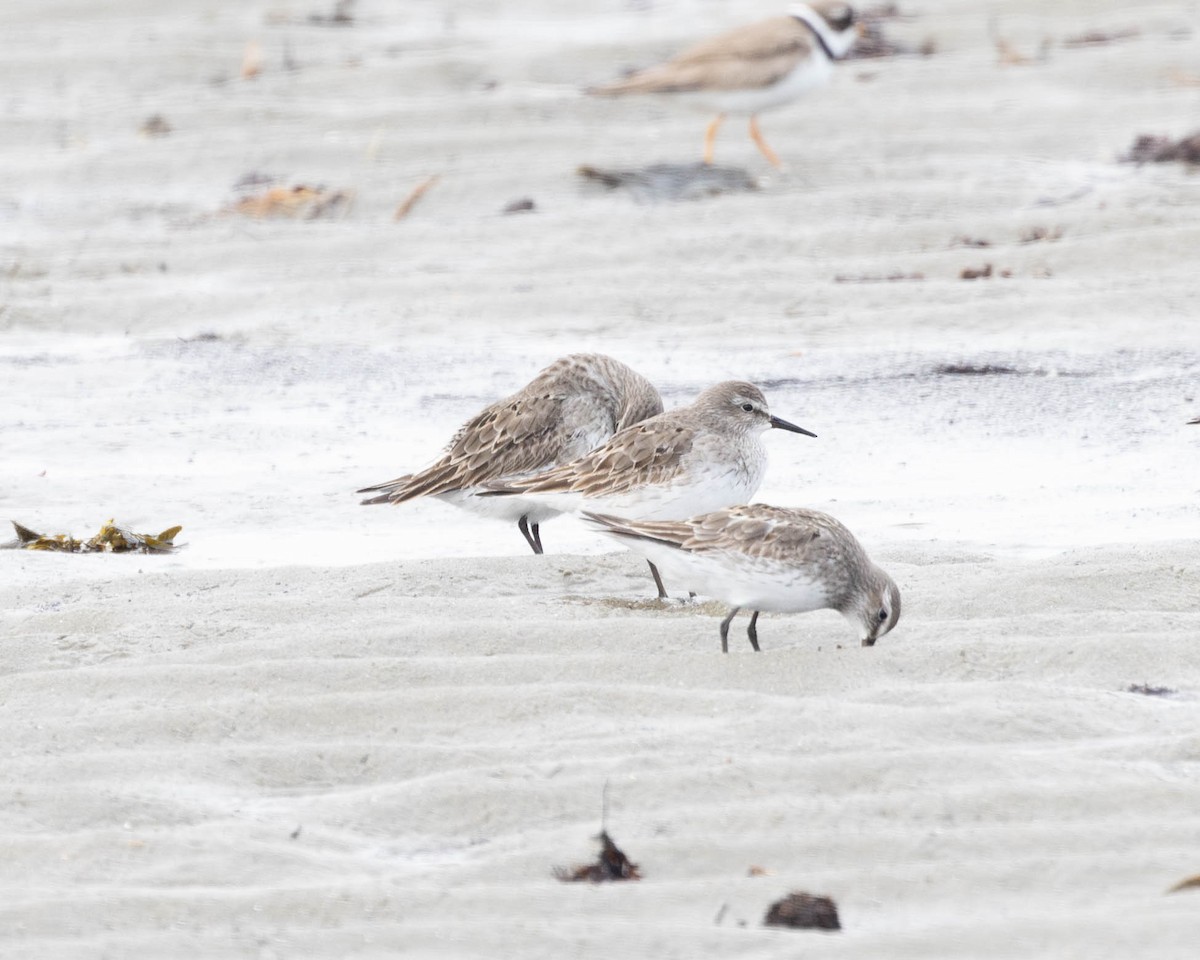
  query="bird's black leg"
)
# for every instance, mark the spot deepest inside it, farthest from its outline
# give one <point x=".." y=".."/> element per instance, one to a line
<point x="537" y="538"/>
<point x="725" y="629"/>
<point x="752" y="631"/>
<point x="662" y="591"/>
<point x="535" y="544"/>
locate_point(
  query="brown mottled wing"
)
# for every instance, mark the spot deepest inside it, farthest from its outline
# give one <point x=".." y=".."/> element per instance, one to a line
<point x="753" y="56"/>
<point x="752" y="530"/>
<point x="646" y="453"/>
<point x="520" y="435"/>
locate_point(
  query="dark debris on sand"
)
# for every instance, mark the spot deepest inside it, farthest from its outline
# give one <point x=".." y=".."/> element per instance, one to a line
<point x="1099" y="38"/>
<point x="1149" y="148"/>
<point x="877" y="277"/>
<point x="986" y="272"/>
<point x="873" y="43"/>
<point x="611" y="865"/>
<point x="342" y="15"/>
<point x="1191" y="883"/>
<point x="1148" y="691"/>
<point x="520" y="205"/>
<point x="973" y="370"/>
<point x="803" y="911"/>
<point x="673" y="181"/>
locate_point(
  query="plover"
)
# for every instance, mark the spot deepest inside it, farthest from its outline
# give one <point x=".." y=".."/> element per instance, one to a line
<point x="570" y="407"/>
<point x="675" y="465"/>
<point x="767" y="558"/>
<point x="752" y="68"/>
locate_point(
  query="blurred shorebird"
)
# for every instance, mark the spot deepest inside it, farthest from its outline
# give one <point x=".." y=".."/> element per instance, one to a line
<point x="752" y="68"/>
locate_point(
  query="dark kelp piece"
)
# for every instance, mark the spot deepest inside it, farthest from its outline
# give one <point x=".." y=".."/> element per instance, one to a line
<point x="974" y="370"/>
<point x="1147" y="690"/>
<point x="804" y="911"/>
<point x="1148" y="148"/>
<point x="1097" y="38"/>
<point x="612" y="864"/>
<point x="672" y="181"/>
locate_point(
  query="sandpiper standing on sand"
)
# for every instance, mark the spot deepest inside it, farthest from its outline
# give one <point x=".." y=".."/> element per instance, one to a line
<point x="570" y="407"/>
<point x="672" y="466"/>
<point x="760" y="557"/>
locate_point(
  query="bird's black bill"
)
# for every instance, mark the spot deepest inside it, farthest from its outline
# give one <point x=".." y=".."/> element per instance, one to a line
<point x="780" y="424"/>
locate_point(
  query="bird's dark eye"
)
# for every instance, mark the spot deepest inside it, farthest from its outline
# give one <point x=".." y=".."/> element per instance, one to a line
<point x="883" y="615"/>
<point x="748" y="407"/>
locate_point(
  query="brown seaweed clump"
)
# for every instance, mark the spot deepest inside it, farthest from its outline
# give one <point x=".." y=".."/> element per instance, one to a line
<point x="612" y="864"/>
<point x="110" y="539"/>
<point x="299" y="202"/>
<point x="803" y="911"/>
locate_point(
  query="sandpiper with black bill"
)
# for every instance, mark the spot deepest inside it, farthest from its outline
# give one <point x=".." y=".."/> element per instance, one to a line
<point x="678" y="464"/>
<point x="765" y="558"/>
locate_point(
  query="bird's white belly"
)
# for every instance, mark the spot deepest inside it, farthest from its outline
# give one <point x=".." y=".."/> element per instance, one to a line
<point x="511" y="508"/>
<point x="677" y="501"/>
<point x="809" y="75"/>
<point x="752" y="583"/>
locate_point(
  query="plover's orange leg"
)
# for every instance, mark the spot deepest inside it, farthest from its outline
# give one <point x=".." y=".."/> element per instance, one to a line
<point x="710" y="138"/>
<point x="757" y="137"/>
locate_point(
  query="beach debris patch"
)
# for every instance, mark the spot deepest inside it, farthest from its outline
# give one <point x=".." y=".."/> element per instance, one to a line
<point x="873" y="43"/>
<point x="1099" y="38"/>
<point x="342" y="15"/>
<point x="417" y="192"/>
<point x="110" y="539"/>
<point x="612" y="864"/>
<point x="299" y="202"/>
<point x="896" y="277"/>
<point x="672" y="181"/>
<point x="1150" y="148"/>
<point x="1147" y="690"/>
<point x="155" y="125"/>
<point x="803" y="911"/>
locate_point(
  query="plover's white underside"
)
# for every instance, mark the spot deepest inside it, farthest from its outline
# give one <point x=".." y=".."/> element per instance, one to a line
<point x="751" y="69"/>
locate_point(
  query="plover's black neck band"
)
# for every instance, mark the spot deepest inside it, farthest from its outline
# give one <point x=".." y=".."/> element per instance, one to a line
<point x="816" y="33"/>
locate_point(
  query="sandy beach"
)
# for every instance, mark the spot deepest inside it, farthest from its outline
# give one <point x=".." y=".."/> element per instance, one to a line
<point x="326" y="730"/>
